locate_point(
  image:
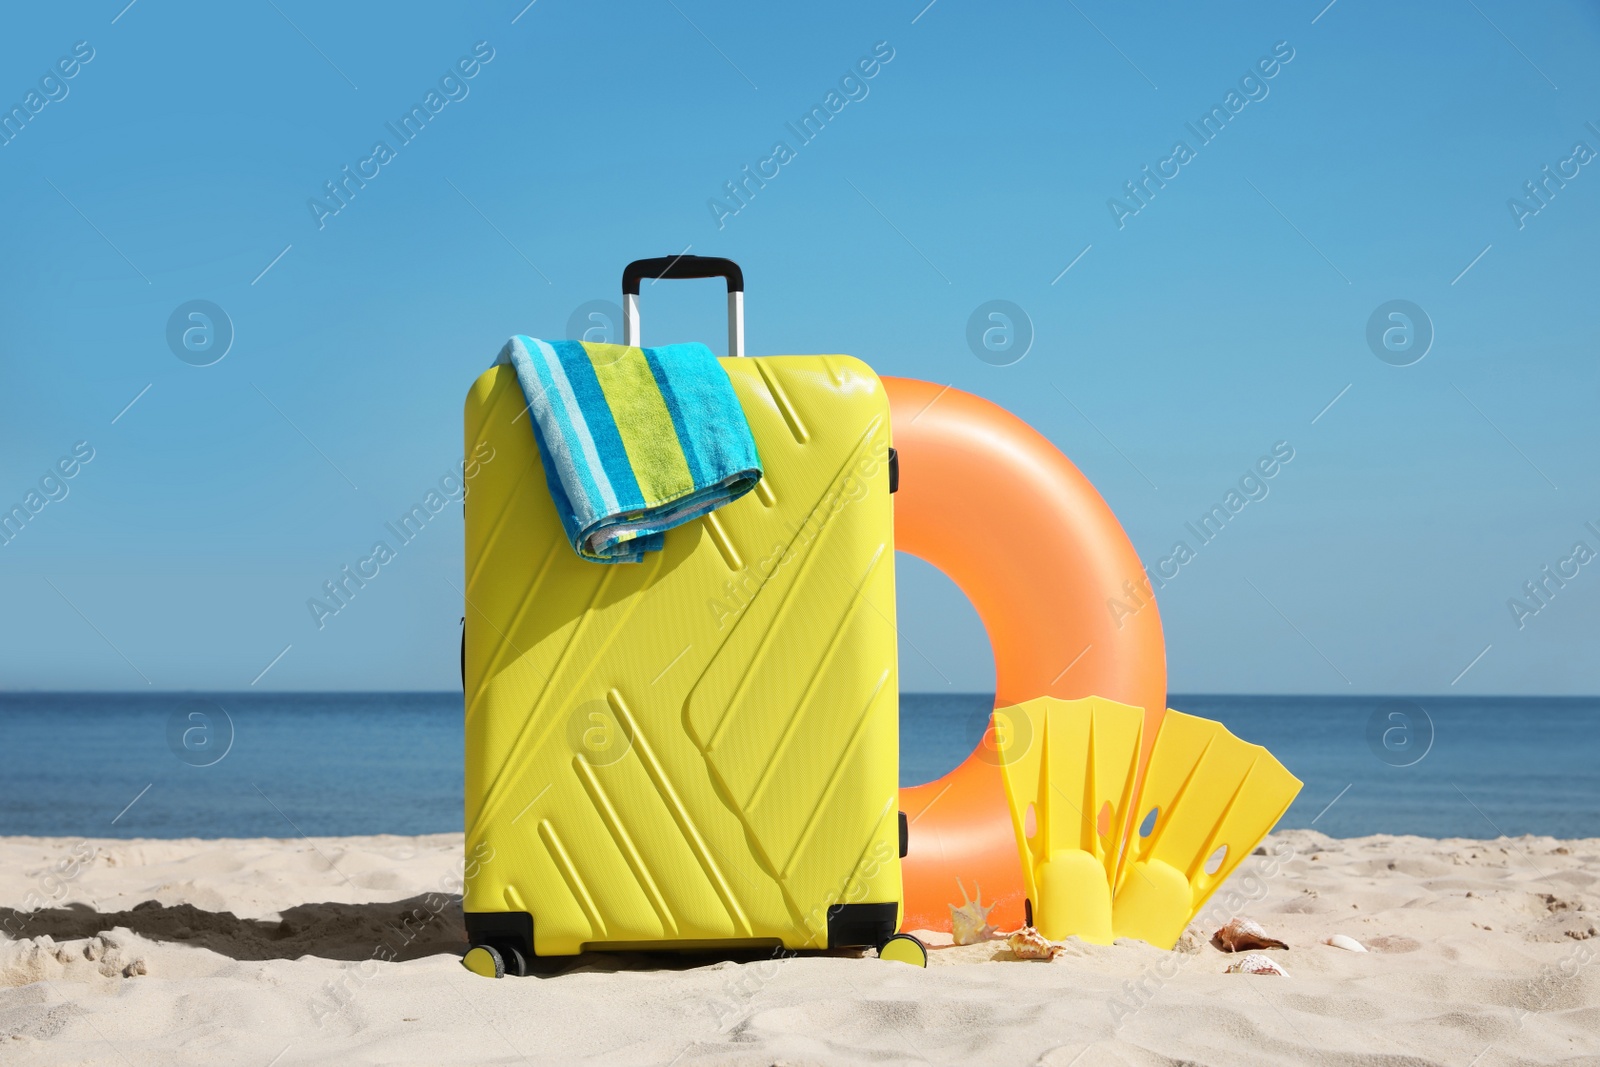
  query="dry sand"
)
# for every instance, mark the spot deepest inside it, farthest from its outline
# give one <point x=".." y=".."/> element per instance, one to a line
<point x="261" y="952"/>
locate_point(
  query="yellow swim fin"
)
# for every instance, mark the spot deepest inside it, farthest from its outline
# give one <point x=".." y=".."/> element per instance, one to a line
<point x="1207" y="800"/>
<point x="1069" y="768"/>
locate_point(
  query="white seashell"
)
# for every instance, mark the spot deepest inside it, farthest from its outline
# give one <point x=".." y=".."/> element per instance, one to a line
<point x="1255" y="963"/>
<point x="1349" y="944"/>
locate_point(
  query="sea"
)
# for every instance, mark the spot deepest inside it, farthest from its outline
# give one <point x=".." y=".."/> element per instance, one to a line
<point x="192" y="765"/>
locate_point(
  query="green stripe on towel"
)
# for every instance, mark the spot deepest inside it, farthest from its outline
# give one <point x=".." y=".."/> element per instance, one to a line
<point x="642" y="420"/>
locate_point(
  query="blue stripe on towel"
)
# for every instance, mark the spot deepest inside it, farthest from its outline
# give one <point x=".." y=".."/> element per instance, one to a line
<point x="669" y="396"/>
<point x="608" y="442"/>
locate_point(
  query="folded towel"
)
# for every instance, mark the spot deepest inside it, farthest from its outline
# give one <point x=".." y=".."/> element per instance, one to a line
<point x="635" y="441"/>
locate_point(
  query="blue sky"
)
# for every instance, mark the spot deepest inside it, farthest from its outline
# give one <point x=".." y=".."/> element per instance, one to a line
<point x="977" y="163"/>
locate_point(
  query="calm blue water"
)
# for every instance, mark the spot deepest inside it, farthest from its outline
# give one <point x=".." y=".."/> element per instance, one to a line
<point x="362" y="763"/>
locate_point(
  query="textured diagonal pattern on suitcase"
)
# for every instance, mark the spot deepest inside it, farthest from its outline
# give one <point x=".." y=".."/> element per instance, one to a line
<point x="741" y="686"/>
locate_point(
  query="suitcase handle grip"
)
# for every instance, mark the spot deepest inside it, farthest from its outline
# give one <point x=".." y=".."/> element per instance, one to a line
<point x="684" y="266"/>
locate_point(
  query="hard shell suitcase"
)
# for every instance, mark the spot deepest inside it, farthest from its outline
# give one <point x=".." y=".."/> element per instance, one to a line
<point x="701" y="749"/>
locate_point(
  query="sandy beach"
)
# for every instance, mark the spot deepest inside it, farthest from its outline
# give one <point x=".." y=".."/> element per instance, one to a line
<point x="273" y="952"/>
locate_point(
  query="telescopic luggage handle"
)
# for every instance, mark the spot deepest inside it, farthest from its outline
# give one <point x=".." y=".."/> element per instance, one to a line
<point x="684" y="267"/>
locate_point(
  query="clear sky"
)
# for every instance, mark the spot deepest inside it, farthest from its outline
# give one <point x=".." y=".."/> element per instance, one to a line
<point x="1199" y="324"/>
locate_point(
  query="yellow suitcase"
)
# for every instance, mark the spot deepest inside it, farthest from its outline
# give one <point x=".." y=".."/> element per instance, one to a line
<point x="700" y="750"/>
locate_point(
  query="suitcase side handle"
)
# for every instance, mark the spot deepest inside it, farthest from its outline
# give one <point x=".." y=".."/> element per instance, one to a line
<point x="684" y="266"/>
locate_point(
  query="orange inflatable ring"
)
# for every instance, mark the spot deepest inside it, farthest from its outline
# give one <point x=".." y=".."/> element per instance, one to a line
<point x="995" y="506"/>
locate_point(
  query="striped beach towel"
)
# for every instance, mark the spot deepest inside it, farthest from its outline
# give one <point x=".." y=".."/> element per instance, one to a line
<point x="634" y="441"/>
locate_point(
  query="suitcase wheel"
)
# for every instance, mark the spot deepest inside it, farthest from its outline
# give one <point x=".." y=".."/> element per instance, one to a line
<point x="903" y="948"/>
<point x="484" y="960"/>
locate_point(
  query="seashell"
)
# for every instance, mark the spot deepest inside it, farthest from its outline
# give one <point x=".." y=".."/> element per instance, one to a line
<point x="1255" y="963"/>
<point x="1242" y="935"/>
<point x="969" y="924"/>
<point x="1029" y="944"/>
<point x="1349" y="944"/>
